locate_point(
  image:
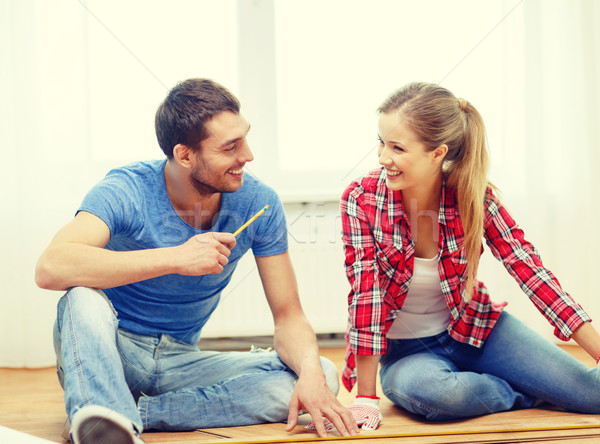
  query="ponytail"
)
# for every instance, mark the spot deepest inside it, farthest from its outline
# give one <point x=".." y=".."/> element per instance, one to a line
<point x="467" y="173"/>
<point x="438" y="117"/>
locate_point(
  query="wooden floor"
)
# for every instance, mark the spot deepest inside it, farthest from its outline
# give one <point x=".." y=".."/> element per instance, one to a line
<point x="31" y="401"/>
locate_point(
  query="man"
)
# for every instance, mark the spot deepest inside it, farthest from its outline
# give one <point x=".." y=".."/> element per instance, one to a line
<point x="156" y="238"/>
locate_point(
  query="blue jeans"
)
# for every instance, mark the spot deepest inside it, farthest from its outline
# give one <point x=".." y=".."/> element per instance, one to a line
<point x="441" y="379"/>
<point x="162" y="383"/>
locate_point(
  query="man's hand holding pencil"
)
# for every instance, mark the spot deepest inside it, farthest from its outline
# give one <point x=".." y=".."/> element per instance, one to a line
<point x="207" y="253"/>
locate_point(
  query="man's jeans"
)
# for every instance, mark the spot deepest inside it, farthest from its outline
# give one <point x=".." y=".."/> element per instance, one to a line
<point x="442" y="379"/>
<point x="162" y="383"/>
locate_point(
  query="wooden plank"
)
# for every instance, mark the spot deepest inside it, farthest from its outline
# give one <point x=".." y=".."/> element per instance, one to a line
<point x="396" y="422"/>
<point x="475" y="438"/>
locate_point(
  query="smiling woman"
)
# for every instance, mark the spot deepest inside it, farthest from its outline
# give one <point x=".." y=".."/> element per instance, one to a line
<point x="416" y="305"/>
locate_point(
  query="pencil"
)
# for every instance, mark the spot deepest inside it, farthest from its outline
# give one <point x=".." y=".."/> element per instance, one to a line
<point x="239" y="230"/>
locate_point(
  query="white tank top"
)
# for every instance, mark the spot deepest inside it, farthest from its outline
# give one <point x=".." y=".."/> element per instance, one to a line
<point x="424" y="312"/>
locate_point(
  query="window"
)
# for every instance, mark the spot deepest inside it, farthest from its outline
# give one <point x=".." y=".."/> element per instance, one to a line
<point x="137" y="51"/>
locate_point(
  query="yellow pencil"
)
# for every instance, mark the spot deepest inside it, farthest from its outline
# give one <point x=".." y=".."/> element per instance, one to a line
<point x="239" y="230"/>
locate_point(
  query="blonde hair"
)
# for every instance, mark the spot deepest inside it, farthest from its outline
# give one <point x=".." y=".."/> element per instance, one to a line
<point x="438" y="117"/>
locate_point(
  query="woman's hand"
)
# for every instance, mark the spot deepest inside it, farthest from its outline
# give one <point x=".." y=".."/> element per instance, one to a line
<point x="365" y="411"/>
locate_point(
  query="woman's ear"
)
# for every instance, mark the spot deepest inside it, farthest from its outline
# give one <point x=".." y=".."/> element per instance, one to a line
<point x="440" y="152"/>
<point x="182" y="155"/>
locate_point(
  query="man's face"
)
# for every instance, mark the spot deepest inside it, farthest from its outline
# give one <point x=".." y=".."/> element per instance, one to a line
<point x="222" y="156"/>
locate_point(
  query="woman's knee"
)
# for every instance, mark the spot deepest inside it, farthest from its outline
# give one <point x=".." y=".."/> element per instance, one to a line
<point x="434" y="397"/>
<point x="582" y="392"/>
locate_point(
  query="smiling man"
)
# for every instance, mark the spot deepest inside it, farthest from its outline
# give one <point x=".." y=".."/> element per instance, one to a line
<point x="143" y="264"/>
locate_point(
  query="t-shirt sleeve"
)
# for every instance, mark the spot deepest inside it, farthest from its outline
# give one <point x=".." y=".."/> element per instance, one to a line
<point x="116" y="200"/>
<point x="270" y="238"/>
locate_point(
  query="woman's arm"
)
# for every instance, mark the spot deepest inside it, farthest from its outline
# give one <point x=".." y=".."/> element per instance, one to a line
<point x="508" y="244"/>
<point x="366" y="309"/>
<point x="366" y="369"/>
<point x="588" y="338"/>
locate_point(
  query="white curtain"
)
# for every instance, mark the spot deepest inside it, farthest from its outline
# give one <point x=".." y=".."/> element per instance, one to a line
<point x="44" y="152"/>
<point x="80" y="82"/>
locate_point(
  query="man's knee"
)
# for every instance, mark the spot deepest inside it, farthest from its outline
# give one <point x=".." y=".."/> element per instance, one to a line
<point x="86" y="299"/>
<point x="331" y="375"/>
<point x="86" y="305"/>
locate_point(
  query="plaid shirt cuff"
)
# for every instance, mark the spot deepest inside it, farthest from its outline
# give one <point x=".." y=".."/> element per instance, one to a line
<point x="364" y="342"/>
<point x="570" y="320"/>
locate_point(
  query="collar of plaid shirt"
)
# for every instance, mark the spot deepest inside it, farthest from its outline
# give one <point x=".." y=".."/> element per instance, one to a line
<point x="390" y="202"/>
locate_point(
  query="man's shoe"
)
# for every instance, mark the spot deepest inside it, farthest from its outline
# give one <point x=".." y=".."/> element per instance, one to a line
<point x="94" y="424"/>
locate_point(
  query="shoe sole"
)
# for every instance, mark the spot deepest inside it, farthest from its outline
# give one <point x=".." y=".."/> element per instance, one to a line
<point x="102" y="431"/>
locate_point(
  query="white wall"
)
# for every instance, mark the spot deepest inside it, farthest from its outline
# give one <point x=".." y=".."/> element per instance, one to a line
<point x="80" y="82"/>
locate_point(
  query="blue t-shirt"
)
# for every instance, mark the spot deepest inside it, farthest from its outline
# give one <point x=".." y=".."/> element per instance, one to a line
<point x="133" y="202"/>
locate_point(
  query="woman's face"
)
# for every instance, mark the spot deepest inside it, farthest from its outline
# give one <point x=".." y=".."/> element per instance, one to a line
<point x="404" y="156"/>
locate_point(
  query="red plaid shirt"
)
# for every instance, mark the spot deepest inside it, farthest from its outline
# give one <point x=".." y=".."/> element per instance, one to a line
<point x="379" y="265"/>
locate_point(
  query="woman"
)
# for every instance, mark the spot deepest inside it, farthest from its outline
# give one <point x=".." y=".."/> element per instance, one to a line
<point x="413" y="233"/>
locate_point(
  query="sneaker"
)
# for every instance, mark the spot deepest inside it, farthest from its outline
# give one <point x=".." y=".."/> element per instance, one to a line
<point x="94" y="424"/>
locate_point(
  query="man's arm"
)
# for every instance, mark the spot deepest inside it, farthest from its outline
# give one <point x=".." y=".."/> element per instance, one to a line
<point x="77" y="257"/>
<point x="296" y="345"/>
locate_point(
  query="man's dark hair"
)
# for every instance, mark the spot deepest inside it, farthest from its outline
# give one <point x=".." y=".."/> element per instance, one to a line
<point x="182" y="116"/>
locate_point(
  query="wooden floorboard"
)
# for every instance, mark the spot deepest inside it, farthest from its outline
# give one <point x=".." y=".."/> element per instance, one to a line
<point x="31" y="401"/>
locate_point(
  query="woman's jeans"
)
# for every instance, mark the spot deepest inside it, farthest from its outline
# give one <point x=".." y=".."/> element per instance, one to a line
<point x="162" y="383"/>
<point x="442" y="379"/>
